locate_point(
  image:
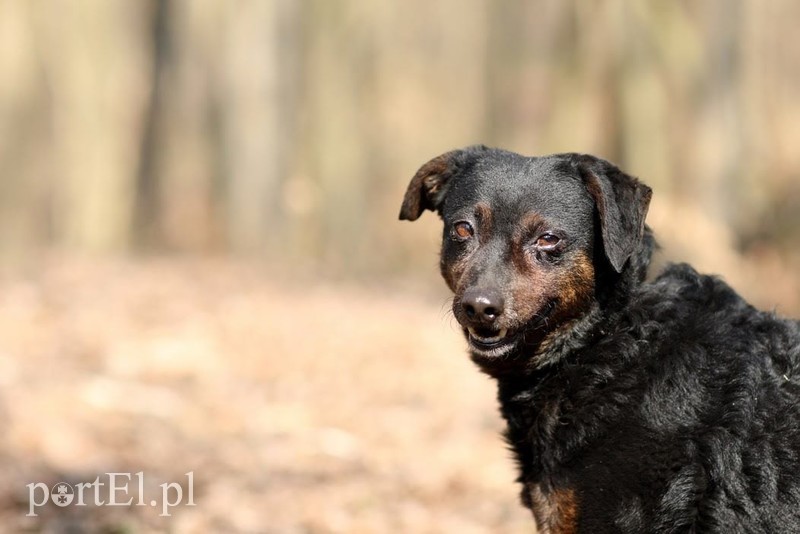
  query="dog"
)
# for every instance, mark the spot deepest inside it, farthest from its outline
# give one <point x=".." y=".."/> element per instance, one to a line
<point x="632" y="406"/>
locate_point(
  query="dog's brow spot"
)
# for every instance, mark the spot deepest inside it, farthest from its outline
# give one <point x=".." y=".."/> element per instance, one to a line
<point x="527" y="224"/>
<point x="485" y="217"/>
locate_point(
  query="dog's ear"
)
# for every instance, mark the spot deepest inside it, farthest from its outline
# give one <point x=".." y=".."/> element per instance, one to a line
<point x="622" y="203"/>
<point x="429" y="185"/>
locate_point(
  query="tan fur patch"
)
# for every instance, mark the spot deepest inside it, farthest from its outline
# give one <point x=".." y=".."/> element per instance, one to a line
<point x="555" y="511"/>
<point x="576" y="289"/>
<point x="453" y="271"/>
<point x="485" y="217"/>
<point x="527" y="225"/>
<point x="573" y="287"/>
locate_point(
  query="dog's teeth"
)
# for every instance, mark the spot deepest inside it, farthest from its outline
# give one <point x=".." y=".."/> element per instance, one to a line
<point x="500" y="335"/>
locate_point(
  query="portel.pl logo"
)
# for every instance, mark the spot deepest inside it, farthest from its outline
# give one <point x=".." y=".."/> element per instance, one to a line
<point x="116" y="491"/>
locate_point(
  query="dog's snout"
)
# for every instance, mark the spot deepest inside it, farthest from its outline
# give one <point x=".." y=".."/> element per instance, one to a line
<point x="482" y="305"/>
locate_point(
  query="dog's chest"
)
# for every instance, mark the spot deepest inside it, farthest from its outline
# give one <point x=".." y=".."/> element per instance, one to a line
<point x="555" y="510"/>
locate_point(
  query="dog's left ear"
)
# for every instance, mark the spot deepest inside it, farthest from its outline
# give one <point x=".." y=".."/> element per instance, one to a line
<point x="428" y="187"/>
<point x="622" y="203"/>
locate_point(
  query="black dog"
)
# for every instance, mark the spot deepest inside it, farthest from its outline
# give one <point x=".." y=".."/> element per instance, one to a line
<point x="669" y="406"/>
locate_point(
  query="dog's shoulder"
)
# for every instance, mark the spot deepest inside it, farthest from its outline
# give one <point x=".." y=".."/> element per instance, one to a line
<point x="700" y="319"/>
<point x="684" y="306"/>
<point x="680" y="287"/>
<point x="710" y="387"/>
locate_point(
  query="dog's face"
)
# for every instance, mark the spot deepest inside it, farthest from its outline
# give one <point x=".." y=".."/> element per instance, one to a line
<point x="520" y="240"/>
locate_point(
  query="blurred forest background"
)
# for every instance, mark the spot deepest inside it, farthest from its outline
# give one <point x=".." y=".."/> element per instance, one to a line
<point x="198" y="235"/>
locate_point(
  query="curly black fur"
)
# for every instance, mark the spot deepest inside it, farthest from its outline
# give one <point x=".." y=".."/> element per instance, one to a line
<point x="663" y="406"/>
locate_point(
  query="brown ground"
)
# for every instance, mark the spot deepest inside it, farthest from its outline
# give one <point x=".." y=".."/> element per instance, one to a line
<point x="298" y="407"/>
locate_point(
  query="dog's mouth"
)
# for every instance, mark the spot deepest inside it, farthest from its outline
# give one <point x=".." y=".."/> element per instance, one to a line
<point x="490" y="341"/>
<point x="495" y="342"/>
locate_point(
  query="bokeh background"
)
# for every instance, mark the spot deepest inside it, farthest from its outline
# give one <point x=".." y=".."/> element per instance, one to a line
<point x="201" y="267"/>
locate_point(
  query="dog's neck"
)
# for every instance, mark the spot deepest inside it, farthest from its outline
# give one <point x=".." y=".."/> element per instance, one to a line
<point x="566" y="340"/>
<point x="534" y="401"/>
<point x="535" y="389"/>
<point x="535" y="398"/>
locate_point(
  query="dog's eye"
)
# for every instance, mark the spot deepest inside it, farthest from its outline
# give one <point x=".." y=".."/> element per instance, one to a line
<point x="546" y="241"/>
<point x="462" y="230"/>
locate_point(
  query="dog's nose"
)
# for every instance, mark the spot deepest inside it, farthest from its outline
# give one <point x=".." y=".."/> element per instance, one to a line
<point x="482" y="305"/>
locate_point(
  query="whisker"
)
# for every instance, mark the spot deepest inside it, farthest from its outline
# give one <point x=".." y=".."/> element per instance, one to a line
<point x="446" y="307"/>
<point x="457" y="326"/>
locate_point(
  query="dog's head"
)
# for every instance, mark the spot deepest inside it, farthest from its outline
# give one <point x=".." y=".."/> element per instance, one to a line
<point x="526" y="240"/>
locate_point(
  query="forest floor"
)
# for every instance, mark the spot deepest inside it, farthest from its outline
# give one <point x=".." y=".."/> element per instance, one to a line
<point x="296" y="407"/>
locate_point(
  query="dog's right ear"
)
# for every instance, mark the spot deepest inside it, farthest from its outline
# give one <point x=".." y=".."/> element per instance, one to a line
<point x="622" y="203"/>
<point x="429" y="186"/>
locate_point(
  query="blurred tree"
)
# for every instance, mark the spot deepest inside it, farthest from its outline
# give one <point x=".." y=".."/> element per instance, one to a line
<point x="289" y="128"/>
<point x="147" y="215"/>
